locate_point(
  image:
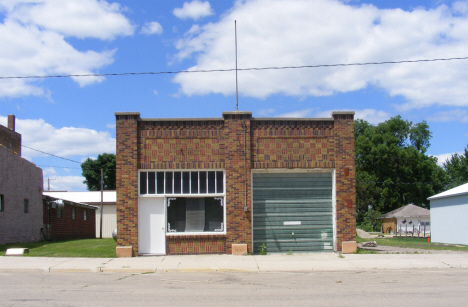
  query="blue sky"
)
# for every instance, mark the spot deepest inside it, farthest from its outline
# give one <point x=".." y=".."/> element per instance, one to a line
<point x="74" y="117"/>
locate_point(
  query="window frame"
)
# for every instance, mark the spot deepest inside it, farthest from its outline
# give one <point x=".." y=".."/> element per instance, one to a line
<point x="190" y="171"/>
<point x="26" y="206"/>
<point x="167" y="196"/>
<point x="73" y="213"/>
<point x="59" y="212"/>
<point x="2" y="203"/>
<point x="85" y="217"/>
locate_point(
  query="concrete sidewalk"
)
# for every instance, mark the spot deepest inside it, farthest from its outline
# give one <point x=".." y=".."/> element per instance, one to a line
<point x="213" y="263"/>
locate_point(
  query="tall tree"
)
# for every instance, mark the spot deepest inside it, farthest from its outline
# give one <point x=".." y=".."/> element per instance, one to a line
<point x="392" y="169"/>
<point x="91" y="170"/>
<point x="457" y="169"/>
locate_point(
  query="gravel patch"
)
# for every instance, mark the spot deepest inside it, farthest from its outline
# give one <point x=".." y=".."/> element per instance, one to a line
<point x="363" y="234"/>
<point x="383" y="249"/>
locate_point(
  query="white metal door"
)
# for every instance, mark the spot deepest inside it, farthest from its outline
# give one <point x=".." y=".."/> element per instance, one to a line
<point x="151" y="226"/>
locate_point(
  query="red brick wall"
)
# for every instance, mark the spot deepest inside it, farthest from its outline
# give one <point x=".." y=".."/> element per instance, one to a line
<point x="236" y="142"/>
<point x="224" y="144"/>
<point x="65" y="228"/>
<point x="345" y="178"/>
<point x="127" y="180"/>
<point x="8" y="136"/>
<point x="189" y="245"/>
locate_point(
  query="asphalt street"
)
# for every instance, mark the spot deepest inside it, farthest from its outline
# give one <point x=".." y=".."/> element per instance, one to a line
<point x="416" y="287"/>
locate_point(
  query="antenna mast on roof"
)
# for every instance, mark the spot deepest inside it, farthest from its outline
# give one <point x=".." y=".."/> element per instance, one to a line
<point x="237" y="91"/>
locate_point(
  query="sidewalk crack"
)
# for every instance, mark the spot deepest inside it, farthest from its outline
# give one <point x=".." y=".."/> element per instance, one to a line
<point x="258" y="268"/>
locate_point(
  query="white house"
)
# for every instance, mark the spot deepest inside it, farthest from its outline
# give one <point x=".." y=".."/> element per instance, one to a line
<point x="449" y="212"/>
<point x="407" y="219"/>
<point x="109" y="215"/>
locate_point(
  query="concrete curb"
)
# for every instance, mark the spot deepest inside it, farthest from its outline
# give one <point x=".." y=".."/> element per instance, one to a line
<point x="240" y="264"/>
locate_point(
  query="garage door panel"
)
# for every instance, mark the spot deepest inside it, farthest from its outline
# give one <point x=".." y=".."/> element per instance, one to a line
<point x="298" y="246"/>
<point x="293" y="211"/>
<point x="319" y="233"/>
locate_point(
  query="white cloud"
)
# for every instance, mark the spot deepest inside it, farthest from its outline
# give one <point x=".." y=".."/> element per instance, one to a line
<point x="48" y="172"/>
<point x="327" y="32"/>
<point x="372" y="116"/>
<point x="444" y="157"/>
<point x="266" y="112"/>
<point x="193" y="10"/>
<point x="33" y="35"/>
<point x="64" y="142"/>
<point x="77" y="18"/>
<point x="67" y="183"/>
<point x="110" y="126"/>
<point x="150" y="28"/>
<point x="296" y="114"/>
<point x="456" y="115"/>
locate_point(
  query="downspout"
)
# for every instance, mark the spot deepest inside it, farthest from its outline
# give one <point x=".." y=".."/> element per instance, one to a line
<point x="245" y="168"/>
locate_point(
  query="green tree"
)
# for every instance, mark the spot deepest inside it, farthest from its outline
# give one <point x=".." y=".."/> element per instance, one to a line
<point x="91" y="170"/>
<point x="457" y="169"/>
<point x="392" y="169"/>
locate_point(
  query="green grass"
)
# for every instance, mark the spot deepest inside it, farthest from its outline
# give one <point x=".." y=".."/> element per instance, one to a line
<point x="408" y="242"/>
<point x="98" y="248"/>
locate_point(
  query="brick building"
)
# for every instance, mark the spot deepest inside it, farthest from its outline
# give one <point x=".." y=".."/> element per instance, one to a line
<point x="20" y="190"/>
<point x="70" y="220"/>
<point x="198" y="186"/>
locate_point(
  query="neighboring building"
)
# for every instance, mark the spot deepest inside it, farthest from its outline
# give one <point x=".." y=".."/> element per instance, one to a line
<point x="449" y="210"/>
<point x="20" y="190"/>
<point x="68" y="220"/>
<point x="198" y="186"/>
<point x="109" y="217"/>
<point x="409" y="218"/>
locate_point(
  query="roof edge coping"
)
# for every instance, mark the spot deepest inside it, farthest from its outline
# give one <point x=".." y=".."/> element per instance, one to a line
<point x="343" y="113"/>
<point x="294" y="118"/>
<point x="182" y="119"/>
<point x="127" y="113"/>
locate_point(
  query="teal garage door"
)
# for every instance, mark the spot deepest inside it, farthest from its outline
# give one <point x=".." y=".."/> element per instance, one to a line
<point x="293" y="212"/>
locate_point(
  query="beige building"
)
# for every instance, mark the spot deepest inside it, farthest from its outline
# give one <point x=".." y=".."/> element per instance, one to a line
<point x="20" y="191"/>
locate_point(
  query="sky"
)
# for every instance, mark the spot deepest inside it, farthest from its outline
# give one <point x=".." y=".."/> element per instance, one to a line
<point x="73" y="117"/>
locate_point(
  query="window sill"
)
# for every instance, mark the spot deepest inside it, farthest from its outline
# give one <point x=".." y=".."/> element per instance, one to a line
<point x="182" y="236"/>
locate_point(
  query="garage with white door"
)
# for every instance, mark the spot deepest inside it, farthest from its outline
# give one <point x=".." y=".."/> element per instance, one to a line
<point x="293" y="211"/>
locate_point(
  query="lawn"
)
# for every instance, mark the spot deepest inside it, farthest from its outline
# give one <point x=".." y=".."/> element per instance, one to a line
<point x="99" y="248"/>
<point x="409" y="242"/>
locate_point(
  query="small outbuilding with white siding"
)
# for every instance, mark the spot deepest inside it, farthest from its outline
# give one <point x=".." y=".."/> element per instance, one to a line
<point x="109" y="216"/>
<point x="449" y="210"/>
<point x="407" y="219"/>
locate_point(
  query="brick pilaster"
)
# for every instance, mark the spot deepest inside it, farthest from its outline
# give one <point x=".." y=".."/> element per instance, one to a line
<point x="345" y="177"/>
<point x="127" y="179"/>
<point x="238" y="165"/>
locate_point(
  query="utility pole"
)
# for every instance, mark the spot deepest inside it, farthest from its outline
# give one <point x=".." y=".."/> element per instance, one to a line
<point x="48" y="183"/>
<point x="102" y="186"/>
<point x="237" y="91"/>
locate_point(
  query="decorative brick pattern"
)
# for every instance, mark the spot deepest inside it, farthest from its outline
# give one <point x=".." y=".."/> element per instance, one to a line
<point x="236" y="143"/>
<point x="238" y="179"/>
<point x="345" y="178"/>
<point x="189" y="245"/>
<point x="127" y="180"/>
<point x="292" y="144"/>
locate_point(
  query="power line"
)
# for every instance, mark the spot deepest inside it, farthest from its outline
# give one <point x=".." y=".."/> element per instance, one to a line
<point x="50" y="154"/>
<point x="230" y="69"/>
<point x="63" y="159"/>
